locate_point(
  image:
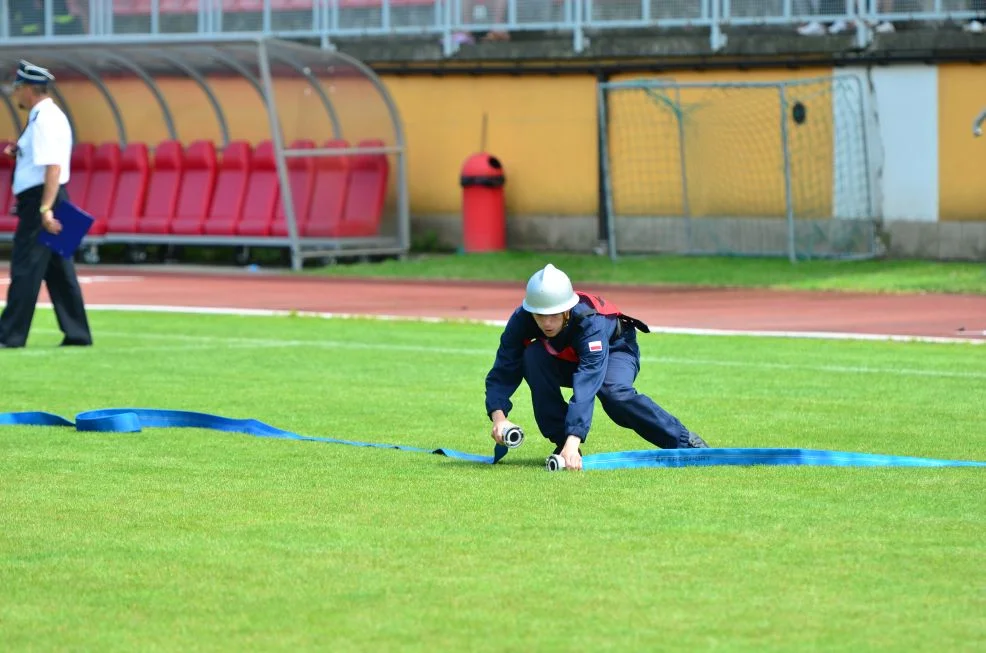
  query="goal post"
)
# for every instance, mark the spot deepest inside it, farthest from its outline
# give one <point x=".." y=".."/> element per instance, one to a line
<point x="734" y="168"/>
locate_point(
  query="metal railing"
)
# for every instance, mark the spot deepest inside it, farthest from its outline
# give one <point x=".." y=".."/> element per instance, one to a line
<point x="452" y="22"/>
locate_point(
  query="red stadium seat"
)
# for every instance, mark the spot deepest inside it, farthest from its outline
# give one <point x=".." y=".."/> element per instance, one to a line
<point x="263" y="193"/>
<point x="80" y="174"/>
<point x="329" y="196"/>
<point x="131" y="190"/>
<point x="301" y="176"/>
<point x="197" y="185"/>
<point x="162" y="189"/>
<point x="231" y="188"/>
<point x="102" y="185"/>
<point x="8" y="223"/>
<point x="367" y="192"/>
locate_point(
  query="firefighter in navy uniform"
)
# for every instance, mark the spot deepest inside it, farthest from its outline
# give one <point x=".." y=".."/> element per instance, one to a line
<point x="43" y="156"/>
<point x="560" y="338"/>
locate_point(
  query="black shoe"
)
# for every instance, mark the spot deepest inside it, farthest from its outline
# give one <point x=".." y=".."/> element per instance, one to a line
<point x="75" y="343"/>
<point x="6" y="346"/>
<point x="695" y="441"/>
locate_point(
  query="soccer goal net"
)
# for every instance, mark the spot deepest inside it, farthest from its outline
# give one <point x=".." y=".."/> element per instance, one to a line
<point x="738" y="168"/>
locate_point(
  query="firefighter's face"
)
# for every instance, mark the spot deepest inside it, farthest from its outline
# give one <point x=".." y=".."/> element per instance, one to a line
<point x="551" y="325"/>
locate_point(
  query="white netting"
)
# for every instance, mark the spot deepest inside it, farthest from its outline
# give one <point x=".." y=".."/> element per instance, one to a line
<point x="748" y="166"/>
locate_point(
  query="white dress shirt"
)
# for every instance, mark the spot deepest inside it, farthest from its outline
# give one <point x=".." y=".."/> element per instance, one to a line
<point x="47" y="140"/>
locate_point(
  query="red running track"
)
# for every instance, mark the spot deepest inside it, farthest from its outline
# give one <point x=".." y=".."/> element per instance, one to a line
<point x="948" y="316"/>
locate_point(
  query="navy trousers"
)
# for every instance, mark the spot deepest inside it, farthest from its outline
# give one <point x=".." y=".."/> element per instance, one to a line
<point x="546" y="375"/>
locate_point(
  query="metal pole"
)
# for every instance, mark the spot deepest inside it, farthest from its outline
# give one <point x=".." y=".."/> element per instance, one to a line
<point x="152" y="86"/>
<point x="578" y="31"/>
<point x="602" y="214"/>
<point x="4" y="19"/>
<point x="686" y="206"/>
<point x="316" y="86"/>
<point x="204" y="85"/>
<point x="403" y="198"/>
<point x="277" y="138"/>
<point x="104" y="90"/>
<point x="866" y="164"/>
<point x="155" y="16"/>
<point x="788" y="198"/>
<point x="49" y="22"/>
<point x="403" y="203"/>
<point x="448" y="47"/>
<point x="601" y="99"/>
<point x="717" y="40"/>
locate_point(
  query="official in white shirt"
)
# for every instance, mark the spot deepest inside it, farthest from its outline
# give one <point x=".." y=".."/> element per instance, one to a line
<point x="43" y="155"/>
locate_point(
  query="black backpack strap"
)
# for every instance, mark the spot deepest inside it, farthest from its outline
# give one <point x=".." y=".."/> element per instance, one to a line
<point x="639" y="325"/>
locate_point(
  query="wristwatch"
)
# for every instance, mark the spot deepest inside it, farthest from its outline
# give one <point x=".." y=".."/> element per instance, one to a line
<point x="44" y="209"/>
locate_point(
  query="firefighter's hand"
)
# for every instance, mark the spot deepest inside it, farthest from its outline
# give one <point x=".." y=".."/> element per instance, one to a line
<point x="500" y="426"/>
<point x="570" y="452"/>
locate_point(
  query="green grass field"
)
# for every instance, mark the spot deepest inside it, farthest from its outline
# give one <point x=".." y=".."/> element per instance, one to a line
<point x="197" y="540"/>
<point x="896" y="276"/>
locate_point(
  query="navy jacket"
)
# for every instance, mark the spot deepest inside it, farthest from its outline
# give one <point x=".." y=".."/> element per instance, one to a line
<point x="582" y="333"/>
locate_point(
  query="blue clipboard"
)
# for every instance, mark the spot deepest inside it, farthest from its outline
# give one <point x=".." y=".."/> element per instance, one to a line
<point x="75" y="225"/>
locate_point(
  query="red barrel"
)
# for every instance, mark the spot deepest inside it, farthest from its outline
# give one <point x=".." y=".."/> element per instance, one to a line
<point x="484" y="213"/>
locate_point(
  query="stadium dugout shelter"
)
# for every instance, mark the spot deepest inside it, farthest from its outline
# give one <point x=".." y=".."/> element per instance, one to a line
<point x="262" y="143"/>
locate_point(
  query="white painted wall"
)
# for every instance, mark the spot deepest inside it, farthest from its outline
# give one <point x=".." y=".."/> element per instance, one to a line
<point x="907" y="115"/>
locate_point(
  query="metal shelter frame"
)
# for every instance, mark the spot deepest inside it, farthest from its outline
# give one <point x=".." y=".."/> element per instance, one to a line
<point x="255" y="59"/>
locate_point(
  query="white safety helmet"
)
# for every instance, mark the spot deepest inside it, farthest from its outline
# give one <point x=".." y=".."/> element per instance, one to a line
<point x="549" y="291"/>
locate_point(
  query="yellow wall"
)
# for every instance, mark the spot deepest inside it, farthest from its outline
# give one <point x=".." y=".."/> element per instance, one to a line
<point x="542" y="129"/>
<point x="961" y="158"/>
<point x="732" y="153"/>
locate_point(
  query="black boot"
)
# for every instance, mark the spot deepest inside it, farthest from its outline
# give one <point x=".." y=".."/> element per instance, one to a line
<point x="694" y="441"/>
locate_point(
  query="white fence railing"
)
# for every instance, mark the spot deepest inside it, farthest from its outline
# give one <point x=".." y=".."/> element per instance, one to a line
<point x="455" y="22"/>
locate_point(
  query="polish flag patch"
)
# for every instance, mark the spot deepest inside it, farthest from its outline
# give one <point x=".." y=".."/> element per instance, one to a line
<point x="596" y="345"/>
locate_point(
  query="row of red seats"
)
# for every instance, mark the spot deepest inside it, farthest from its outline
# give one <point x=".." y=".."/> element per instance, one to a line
<point x="190" y="191"/>
<point x="143" y="7"/>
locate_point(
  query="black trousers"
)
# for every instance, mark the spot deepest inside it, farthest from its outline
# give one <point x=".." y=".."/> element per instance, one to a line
<point x="31" y="263"/>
